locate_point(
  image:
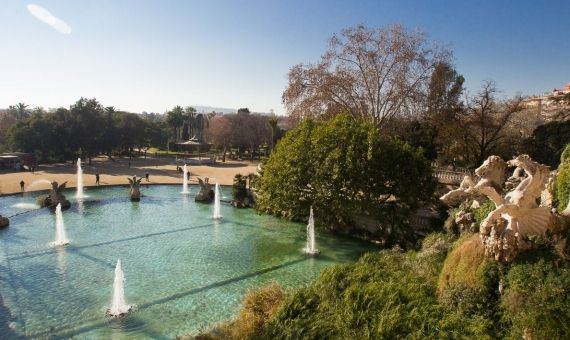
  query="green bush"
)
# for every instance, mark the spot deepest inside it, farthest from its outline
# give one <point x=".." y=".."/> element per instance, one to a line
<point x="536" y="301"/>
<point x="377" y="298"/>
<point x="562" y="189"/>
<point x="239" y="189"/>
<point x="343" y="168"/>
<point x="383" y="296"/>
<point x="467" y="264"/>
<point x="393" y="294"/>
<point x="565" y="157"/>
<point x="258" y="307"/>
<point x="483" y="211"/>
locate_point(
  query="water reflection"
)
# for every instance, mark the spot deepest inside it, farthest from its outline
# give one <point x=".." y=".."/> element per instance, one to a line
<point x="61" y="261"/>
<point x="80" y="205"/>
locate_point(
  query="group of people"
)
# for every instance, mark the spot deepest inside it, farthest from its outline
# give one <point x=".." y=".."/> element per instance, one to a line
<point x="179" y="169"/>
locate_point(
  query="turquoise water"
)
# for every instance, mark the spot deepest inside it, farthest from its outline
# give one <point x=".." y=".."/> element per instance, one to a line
<point x="183" y="271"/>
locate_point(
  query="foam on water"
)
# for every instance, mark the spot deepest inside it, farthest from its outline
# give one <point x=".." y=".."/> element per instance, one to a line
<point x="24" y="205"/>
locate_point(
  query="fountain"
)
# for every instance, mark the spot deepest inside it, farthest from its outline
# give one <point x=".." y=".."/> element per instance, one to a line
<point x="135" y="192"/>
<point x="217" y="214"/>
<point x="310" y="249"/>
<point x="60" y="237"/>
<point x="79" y="193"/>
<point x="205" y="194"/>
<point x="54" y="198"/>
<point x="185" y="190"/>
<point x="119" y="306"/>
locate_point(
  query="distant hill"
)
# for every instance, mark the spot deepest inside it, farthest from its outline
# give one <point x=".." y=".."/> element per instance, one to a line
<point x="206" y="109"/>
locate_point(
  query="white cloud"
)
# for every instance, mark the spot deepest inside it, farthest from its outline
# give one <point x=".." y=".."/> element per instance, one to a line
<point x="45" y="16"/>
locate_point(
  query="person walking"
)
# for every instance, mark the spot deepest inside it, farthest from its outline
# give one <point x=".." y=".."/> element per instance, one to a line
<point x="146" y="175"/>
<point x="97" y="178"/>
<point x="22" y="185"/>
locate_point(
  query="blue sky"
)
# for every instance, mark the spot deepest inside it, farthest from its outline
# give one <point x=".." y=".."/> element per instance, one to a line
<point x="152" y="55"/>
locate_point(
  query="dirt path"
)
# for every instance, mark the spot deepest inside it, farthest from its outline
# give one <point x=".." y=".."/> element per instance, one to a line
<point x="161" y="171"/>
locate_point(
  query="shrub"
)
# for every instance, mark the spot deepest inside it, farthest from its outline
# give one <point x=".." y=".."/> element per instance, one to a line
<point x="239" y="190"/>
<point x="258" y="307"/>
<point x="467" y="264"/>
<point x="565" y="156"/>
<point x="536" y="301"/>
<point x="379" y="297"/>
<point x="394" y="294"/>
<point x="428" y="262"/>
<point x="383" y="296"/>
<point x="562" y="189"/>
<point x="483" y="211"/>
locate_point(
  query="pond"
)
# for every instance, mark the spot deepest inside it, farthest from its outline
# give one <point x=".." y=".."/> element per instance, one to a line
<point x="183" y="270"/>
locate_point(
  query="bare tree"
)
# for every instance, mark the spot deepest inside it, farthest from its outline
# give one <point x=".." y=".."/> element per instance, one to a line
<point x="373" y="73"/>
<point x="220" y="133"/>
<point x="484" y="125"/>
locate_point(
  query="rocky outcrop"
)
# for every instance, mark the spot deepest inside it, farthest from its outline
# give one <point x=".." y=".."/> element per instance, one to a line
<point x="206" y="193"/>
<point x="54" y="197"/>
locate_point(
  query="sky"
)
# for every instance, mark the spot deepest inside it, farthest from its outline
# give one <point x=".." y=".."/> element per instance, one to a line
<point x="152" y="55"/>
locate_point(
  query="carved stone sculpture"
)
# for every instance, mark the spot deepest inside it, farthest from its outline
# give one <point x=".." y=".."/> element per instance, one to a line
<point x="491" y="175"/>
<point x="517" y="216"/>
<point x="206" y="193"/>
<point x="4" y="222"/>
<point x="54" y="197"/>
<point x="135" y="191"/>
<point x="517" y="177"/>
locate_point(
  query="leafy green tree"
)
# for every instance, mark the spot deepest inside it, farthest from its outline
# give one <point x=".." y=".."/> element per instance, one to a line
<point x="86" y="129"/>
<point x="87" y="126"/>
<point x="41" y="134"/>
<point x="344" y="169"/>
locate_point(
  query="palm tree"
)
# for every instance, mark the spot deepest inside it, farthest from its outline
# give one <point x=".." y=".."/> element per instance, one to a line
<point x="175" y="119"/>
<point x="21" y="107"/>
<point x="190" y="120"/>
